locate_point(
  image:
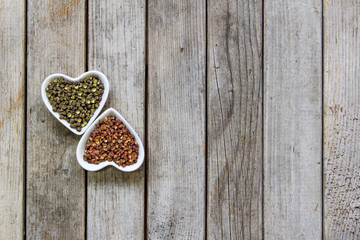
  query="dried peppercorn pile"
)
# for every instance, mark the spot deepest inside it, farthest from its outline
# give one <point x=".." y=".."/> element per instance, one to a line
<point x="76" y="102"/>
<point x="111" y="141"/>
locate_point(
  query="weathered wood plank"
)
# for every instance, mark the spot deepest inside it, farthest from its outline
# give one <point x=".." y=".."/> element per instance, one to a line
<point x="234" y="120"/>
<point x="341" y="120"/>
<point x="55" y="181"/>
<point x="176" y="120"/>
<point x="12" y="117"/>
<point x="292" y="119"/>
<point x="117" y="47"/>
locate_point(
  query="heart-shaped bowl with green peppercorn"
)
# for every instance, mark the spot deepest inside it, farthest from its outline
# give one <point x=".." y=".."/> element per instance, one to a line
<point x="75" y="102"/>
<point x="85" y="142"/>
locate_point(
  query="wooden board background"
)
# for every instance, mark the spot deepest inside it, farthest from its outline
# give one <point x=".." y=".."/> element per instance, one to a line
<point x="341" y="120"/>
<point x="12" y="117"/>
<point x="176" y="120"/>
<point x="116" y="37"/>
<point x="292" y="120"/>
<point x="55" y="191"/>
<point x="234" y="120"/>
<point x="249" y="112"/>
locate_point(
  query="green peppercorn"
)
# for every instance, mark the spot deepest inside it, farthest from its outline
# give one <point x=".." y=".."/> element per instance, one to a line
<point x="75" y="102"/>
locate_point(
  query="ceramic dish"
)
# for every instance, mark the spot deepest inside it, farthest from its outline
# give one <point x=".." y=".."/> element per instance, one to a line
<point x="95" y="167"/>
<point x="98" y="74"/>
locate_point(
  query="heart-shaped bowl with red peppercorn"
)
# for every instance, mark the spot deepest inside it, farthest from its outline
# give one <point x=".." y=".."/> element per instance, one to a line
<point x="68" y="93"/>
<point x="110" y="141"/>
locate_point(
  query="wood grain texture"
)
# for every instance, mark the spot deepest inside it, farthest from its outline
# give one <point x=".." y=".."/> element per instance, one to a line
<point x="341" y="120"/>
<point x="12" y="117"/>
<point x="234" y="120"/>
<point x="117" y="47"/>
<point x="55" y="181"/>
<point x="292" y="119"/>
<point x="176" y="120"/>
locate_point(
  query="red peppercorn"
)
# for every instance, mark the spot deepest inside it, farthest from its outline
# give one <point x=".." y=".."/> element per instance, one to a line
<point x="111" y="141"/>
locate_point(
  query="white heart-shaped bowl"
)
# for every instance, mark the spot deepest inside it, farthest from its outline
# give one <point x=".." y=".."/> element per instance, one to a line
<point x="104" y="97"/>
<point x="95" y="167"/>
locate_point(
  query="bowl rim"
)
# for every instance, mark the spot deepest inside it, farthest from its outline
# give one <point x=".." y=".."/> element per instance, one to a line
<point x="96" y="167"/>
<point x="102" y="78"/>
